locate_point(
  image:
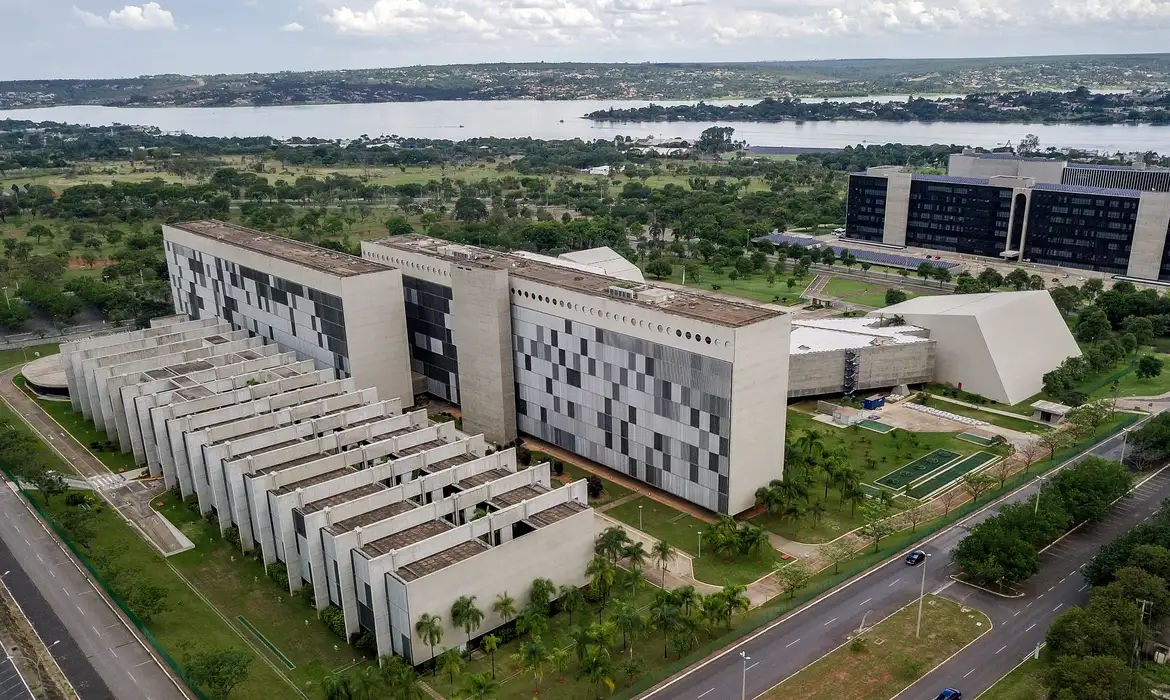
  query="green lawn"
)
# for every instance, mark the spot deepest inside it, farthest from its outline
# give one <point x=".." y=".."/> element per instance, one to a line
<point x="1129" y="384"/>
<point x="17" y="356"/>
<point x="682" y="531"/>
<point x="858" y="292"/>
<point x="755" y="287"/>
<point x="611" y="491"/>
<point x="873" y="453"/>
<point x="1026" y="682"/>
<point x="880" y="671"/>
<point x="1017" y="424"/>
<point x="77" y="426"/>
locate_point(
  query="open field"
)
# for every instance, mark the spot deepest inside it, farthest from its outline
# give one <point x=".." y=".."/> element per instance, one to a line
<point x="682" y="531"/>
<point x="755" y="287"/>
<point x="880" y="671"/>
<point x="856" y="292"/>
<point x="1026" y="682"/>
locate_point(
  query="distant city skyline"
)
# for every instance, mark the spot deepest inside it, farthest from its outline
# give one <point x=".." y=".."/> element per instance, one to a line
<point x="108" y="38"/>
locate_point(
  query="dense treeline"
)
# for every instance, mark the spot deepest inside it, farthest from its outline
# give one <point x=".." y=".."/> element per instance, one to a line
<point x="1004" y="549"/>
<point x="1078" y="106"/>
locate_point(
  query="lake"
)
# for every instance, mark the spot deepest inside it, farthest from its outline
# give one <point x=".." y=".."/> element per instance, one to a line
<point x="562" y="120"/>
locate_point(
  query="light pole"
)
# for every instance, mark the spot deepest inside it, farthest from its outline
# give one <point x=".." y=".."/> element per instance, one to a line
<point x="1040" y="481"/>
<point x="921" y="596"/>
<point x="1124" y="440"/>
<point x="743" y="688"/>
<point x="700" y="554"/>
<point x="861" y="627"/>
<point x="639" y="517"/>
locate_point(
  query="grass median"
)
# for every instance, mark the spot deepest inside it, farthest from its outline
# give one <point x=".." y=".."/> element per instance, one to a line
<point x="891" y="657"/>
<point x="1025" y="682"/>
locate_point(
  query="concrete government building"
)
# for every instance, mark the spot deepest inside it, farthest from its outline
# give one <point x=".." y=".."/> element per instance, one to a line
<point x="1111" y="220"/>
<point x="685" y="392"/>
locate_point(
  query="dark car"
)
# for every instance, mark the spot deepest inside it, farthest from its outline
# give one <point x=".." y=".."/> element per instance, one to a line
<point x="915" y="558"/>
<point x="950" y="694"/>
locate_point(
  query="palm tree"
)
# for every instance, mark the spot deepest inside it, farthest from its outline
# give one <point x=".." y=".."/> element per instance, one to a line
<point x="337" y="686"/>
<point x="855" y="496"/>
<point x="663" y="555"/>
<point x="734" y="600"/>
<point x="505" y="606"/>
<point x="451" y="662"/>
<point x="465" y="614"/>
<point x="687" y="633"/>
<point x="753" y="540"/>
<point x="541" y="596"/>
<point x="490" y="644"/>
<point x="817" y="511"/>
<point x="634" y="573"/>
<point x="612" y="542"/>
<point x="572" y="599"/>
<point x="532" y="622"/>
<point x="628" y="620"/>
<point x="366" y="684"/>
<point x="480" y="686"/>
<point x="713" y="611"/>
<point x="600" y="669"/>
<point x="532" y="659"/>
<point x="812" y="444"/>
<point x="600" y="572"/>
<point x="430" y="628"/>
<point x="636" y="555"/>
<point x="559" y="660"/>
<point x="664" y="617"/>
<point x="400" y="678"/>
<point x="686" y="597"/>
<point x="831" y="467"/>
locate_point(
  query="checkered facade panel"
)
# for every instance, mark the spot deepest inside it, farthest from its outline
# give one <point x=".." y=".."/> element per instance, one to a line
<point x="429" y="323"/>
<point x="301" y="319"/>
<point x="657" y="413"/>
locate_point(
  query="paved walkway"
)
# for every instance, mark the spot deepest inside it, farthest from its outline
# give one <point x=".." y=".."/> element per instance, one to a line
<point x="130" y="498"/>
<point x="985" y="409"/>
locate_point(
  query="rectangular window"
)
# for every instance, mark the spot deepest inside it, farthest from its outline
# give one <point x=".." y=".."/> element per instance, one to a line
<point x="592" y="367"/>
<point x="568" y="326"/>
<point x="694" y="417"/>
<point x="571" y="409"/>
<point x="573" y="377"/>
<point x="554" y="340"/>
<point x="584" y="347"/>
<point x="548" y="385"/>
<point x="666" y="463"/>
<point x="649" y="366"/>
<point x="633" y="415"/>
<point x="543" y="414"/>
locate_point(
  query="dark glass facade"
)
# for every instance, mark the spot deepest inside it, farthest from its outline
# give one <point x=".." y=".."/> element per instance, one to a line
<point x="865" y="215"/>
<point x="432" y="350"/>
<point x="1090" y="231"/>
<point x="959" y="217"/>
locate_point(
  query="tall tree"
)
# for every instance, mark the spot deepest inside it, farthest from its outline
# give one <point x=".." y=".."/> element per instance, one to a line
<point x="219" y="671"/>
<point x="465" y="614"/>
<point x="430" y="629"/>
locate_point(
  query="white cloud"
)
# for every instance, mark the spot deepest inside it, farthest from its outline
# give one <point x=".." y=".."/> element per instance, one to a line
<point x="292" y="27"/>
<point x="144" y="17"/>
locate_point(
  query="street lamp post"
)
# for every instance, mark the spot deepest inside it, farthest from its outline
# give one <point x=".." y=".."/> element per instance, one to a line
<point x="1040" y="481"/>
<point x="639" y="517"/>
<point x="743" y="688"/>
<point x="921" y="596"/>
<point x="700" y="554"/>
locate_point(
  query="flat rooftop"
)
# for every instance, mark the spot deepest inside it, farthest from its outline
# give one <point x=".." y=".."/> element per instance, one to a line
<point x="482" y="478"/>
<point x="848" y="334"/>
<point x="443" y="464"/>
<point x="511" y="498"/>
<point x="313" y="481"/>
<point x="441" y="560"/>
<point x="557" y="513"/>
<point x="370" y="517"/>
<point x="343" y="497"/>
<point x="310" y="256"/>
<point x="715" y="310"/>
<point x="405" y="538"/>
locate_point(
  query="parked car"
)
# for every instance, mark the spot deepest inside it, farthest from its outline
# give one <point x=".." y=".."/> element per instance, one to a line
<point x="915" y="558"/>
<point x="949" y="694"/>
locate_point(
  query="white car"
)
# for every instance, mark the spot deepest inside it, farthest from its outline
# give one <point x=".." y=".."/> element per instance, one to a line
<point x="838" y="231"/>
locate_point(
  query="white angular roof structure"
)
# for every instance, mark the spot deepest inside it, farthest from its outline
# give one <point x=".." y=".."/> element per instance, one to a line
<point x="997" y="345"/>
<point x="608" y="260"/>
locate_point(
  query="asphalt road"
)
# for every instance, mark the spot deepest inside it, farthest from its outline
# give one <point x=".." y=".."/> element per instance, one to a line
<point x="95" y="650"/>
<point x="789" y="645"/>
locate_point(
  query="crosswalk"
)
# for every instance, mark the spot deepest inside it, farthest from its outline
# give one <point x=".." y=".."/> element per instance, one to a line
<point x="106" y="482"/>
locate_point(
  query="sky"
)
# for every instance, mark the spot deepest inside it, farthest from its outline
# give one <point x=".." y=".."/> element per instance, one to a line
<point x="108" y="38"/>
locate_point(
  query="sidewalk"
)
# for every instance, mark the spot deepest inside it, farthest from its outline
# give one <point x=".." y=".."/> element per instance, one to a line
<point x="131" y="499"/>
<point x="985" y="409"/>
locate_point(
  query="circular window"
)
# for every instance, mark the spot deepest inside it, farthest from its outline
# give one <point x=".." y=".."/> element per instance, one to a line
<point x="688" y="335"/>
<point x="678" y="333"/>
<point x="659" y="327"/>
<point x="708" y="339"/>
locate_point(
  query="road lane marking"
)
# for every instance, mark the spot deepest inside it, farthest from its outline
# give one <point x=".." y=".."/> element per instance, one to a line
<point x="1082" y="588"/>
<point x="829" y="622"/>
<point x="1061" y="581"/>
<point x="132" y="677"/>
<point x="968" y="673"/>
<point x="1016" y="613"/>
<point x="894" y="581"/>
<point x="1001" y="648"/>
<point x="1030" y="627"/>
<point x="1058" y="607"/>
<point x="1039" y="596"/>
<point x="791" y="643"/>
<point x="865" y="601"/>
<point x="1028" y="605"/>
<point x="113" y="652"/>
<point x="751" y="667"/>
<point x="1050" y="588"/>
<point x="79" y="609"/>
<point x="708" y="692"/>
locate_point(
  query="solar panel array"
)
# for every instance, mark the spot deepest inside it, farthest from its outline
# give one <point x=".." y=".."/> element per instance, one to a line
<point x="877" y="257"/>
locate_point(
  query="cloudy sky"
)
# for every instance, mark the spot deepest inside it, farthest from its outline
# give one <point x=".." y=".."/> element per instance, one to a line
<point x="106" y="38"/>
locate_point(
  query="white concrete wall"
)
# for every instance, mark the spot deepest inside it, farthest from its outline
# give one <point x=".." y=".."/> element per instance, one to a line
<point x="897" y="208"/>
<point x="759" y="408"/>
<point x="375" y="332"/>
<point x="1149" y="235"/>
<point x="483" y="330"/>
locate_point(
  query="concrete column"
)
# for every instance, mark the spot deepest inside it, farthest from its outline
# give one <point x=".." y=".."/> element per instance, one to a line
<point x="897" y="208"/>
<point x="482" y="311"/>
<point x="1149" y="235"/>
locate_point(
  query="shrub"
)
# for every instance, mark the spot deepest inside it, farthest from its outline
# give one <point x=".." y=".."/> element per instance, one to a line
<point x="306" y="594"/>
<point x="595" y="486"/>
<point x="279" y="572"/>
<point x="523" y="455"/>
<point x="366" y="642"/>
<point x="77" y="499"/>
<point x="334" y="619"/>
<point x="192" y="503"/>
<point x="558" y="467"/>
<point x="232" y="536"/>
<point x="859" y="644"/>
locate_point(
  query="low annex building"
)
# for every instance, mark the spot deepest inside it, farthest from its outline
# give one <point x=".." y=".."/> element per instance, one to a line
<point x="844" y="355"/>
<point x="387" y="515"/>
